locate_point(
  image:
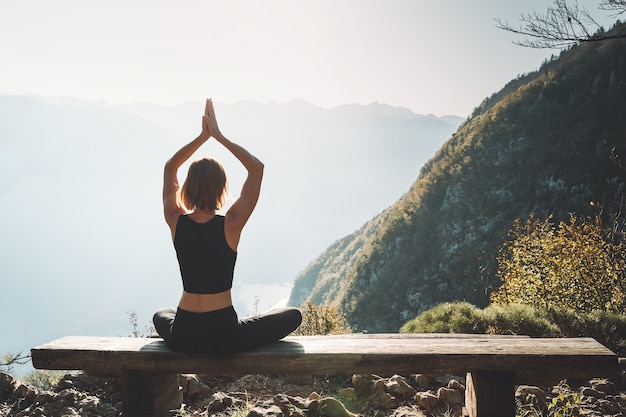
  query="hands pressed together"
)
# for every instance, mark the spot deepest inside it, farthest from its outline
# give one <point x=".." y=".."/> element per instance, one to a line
<point x="209" y="121"/>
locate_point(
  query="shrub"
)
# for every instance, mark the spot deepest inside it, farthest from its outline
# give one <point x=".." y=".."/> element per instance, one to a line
<point x="462" y="317"/>
<point x="458" y="317"/>
<point x="516" y="319"/>
<point x="607" y="328"/>
<point x="321" y="320"/>
<point x="148" y="331"/>
<point x="44" y="379"/>
<point x="577" y="265"/>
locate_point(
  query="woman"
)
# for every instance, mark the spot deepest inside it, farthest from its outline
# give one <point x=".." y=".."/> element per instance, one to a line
<point x="206" y="247"/>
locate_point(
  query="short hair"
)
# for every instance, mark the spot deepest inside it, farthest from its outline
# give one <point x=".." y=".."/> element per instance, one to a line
<point x="206" y="185"/>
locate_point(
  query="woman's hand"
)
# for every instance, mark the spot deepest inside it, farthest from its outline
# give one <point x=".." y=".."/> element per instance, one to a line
<point x="205" y="129"/>
<point x="209" y="121"/>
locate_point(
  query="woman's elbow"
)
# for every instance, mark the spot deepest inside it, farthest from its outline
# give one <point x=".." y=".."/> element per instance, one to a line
<point x="169" y="166"/>
<point x="259" y="167"/>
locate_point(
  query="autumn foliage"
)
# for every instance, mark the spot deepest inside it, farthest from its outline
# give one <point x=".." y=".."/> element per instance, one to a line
<point x="321" y="320"/>
<point x="578" y="265"/>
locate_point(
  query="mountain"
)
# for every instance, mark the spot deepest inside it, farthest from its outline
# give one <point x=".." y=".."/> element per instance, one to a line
<point x="82" y="236"/>
<point x="551" y="141"/>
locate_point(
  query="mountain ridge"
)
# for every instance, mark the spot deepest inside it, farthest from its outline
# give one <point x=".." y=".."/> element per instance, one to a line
<point x="548" y="142"/>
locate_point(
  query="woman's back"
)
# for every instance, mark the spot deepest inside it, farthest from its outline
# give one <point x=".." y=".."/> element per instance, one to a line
<point x="205" y="259"/>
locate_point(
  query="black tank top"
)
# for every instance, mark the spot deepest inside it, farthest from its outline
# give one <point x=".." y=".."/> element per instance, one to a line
<point x="206" y="261"/>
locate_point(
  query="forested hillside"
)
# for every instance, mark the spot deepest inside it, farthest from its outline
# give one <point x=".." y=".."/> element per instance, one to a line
<point x="553" y="141"/>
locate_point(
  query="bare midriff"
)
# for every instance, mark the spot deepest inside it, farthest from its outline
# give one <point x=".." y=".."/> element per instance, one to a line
<point x="202" y="303"/>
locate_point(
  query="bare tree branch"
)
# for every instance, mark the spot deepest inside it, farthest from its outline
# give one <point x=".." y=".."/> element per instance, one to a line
<point x="564" y="24"/>
<point x="8" y="361"/>
<point x="616" y="6"/>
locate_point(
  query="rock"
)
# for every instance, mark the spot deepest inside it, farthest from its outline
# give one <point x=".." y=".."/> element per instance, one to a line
<point x="319" y="405"/>
<point x="608" y="407"/>
<point x="591" y="392"/>
<point x="370" y="389"/>
<point x="379" y="398"/>
<point x="422" y="381"/>
<point x="456" y="385"/>
<point x="68" y="395"/>
<point x="220" y="401"/>
<point x="24" y="391"/>
<point x="314" y="396"/>
<point x="528" y="394"/>
<point x="604" y="385"/>
<point x="90" y="406"/>
<point x="363" y="384"/>
<point x="45" y="397"/>
<point x="331" y="407"/>
<point x="399" y="388"/>
<point x="23" y="396"/>
<point x="192" y="386"/>
<point x="68" y="402"/>
<point x="449" y="396"/>
<point x="348" y="394"/>
<point x="288" y="406"/>
<point x="6" y="385"/>
<point x="81" y="396"/>
<point x="83" y="382"/>
<point x="314" y="404"/>
<point x="291" y="406"/>
<point x="265" y="410"/>
<point x="427" y="400"/>
<point x="248" y="383"/>
<point x="405" y="411"/>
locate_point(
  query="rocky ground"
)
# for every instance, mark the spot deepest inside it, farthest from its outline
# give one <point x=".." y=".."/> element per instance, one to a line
<point x="259" y="396"/>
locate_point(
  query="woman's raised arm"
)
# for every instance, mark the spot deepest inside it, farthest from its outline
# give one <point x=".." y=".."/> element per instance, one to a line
<point x="242" y="208"/>
<point x="171" y="203"/>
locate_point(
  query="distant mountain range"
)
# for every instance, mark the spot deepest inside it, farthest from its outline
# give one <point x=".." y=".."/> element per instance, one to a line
<point x="550" y="142"/>
<point x="82" y="236"/>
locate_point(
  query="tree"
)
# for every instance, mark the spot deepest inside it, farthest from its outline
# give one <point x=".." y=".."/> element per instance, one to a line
<point x="578" y="265"/>
<point x="321" y="320"/>
<point x="564" y="24"/>
<point x="9" y="360"/>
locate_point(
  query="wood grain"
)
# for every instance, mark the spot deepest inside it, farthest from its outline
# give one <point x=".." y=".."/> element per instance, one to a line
<point x="539" y="361"/>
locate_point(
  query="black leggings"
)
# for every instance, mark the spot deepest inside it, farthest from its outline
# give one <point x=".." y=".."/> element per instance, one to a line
<point x="221" y="331"/>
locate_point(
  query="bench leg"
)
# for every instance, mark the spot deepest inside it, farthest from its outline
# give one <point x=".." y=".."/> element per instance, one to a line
<point x="490" y="394"/>
<point x="150" y="393"/>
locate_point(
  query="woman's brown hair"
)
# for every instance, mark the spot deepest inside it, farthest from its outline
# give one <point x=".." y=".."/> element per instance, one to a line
<point x="205" y="186"/>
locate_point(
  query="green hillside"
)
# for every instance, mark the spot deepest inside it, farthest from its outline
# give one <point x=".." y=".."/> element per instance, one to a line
<point x="552" y="141"/>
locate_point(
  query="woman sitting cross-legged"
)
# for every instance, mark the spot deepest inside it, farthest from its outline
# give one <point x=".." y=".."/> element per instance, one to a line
<point x="206" y="247"/>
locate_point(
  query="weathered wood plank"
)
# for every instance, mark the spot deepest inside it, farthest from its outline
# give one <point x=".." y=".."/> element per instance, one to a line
<point x="533" y="360"/>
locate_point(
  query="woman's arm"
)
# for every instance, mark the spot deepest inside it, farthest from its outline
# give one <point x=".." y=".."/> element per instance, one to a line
<point x="242" y="208"/>
<point x="171" y="204"/>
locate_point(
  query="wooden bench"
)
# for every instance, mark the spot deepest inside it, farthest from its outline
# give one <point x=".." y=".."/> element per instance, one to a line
<point x="493" y="364"/>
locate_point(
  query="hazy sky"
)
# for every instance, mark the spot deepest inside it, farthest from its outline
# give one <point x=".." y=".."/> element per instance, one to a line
<point x="441" y="57"/>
